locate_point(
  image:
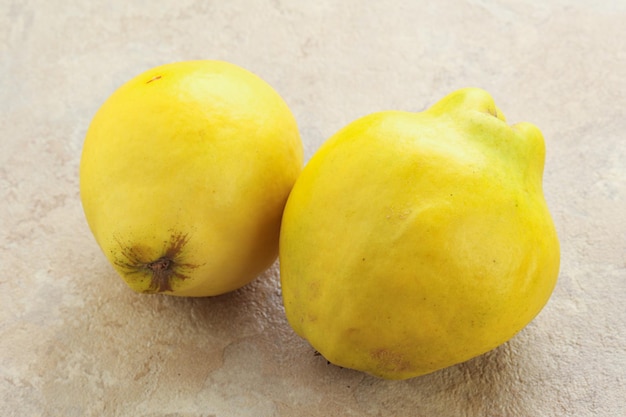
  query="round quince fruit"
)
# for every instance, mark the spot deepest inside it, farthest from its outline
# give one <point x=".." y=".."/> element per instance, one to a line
<point x="415" y="241"/>
<point x="184" y="176"/>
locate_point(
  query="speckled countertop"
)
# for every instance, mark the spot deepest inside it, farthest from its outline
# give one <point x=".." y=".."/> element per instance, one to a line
<point x="74" y="341"/>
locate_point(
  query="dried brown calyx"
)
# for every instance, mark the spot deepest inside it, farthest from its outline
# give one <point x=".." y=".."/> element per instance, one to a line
<point x="163" y="271"/>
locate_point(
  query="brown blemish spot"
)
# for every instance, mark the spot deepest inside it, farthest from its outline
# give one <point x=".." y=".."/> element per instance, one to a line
<point x="162" y="271"/>
<point x="390" y="361"/>
<point x="156" y="77"/>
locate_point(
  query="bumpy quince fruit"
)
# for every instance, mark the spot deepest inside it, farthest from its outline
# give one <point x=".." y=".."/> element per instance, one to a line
<point x="184" y="175"/>
<point x="416" y="241"/>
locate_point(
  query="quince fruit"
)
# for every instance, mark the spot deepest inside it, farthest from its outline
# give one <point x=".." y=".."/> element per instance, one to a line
<point x="184" y="175"/>
<point x="415" y="241"/>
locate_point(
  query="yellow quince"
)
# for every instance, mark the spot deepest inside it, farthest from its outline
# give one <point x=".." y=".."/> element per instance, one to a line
<point x="415" y="241"/>
<point x="184" y="175"/>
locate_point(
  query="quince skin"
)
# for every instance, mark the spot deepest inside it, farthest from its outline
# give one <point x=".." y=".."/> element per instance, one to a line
<point x="415" y="241"/>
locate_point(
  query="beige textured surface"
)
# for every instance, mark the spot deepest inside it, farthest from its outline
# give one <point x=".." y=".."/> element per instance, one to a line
<point x="74" y="341"/>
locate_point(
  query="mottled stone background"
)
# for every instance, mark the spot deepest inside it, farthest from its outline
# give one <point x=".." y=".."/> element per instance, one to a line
<point x="74" y="341"/>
